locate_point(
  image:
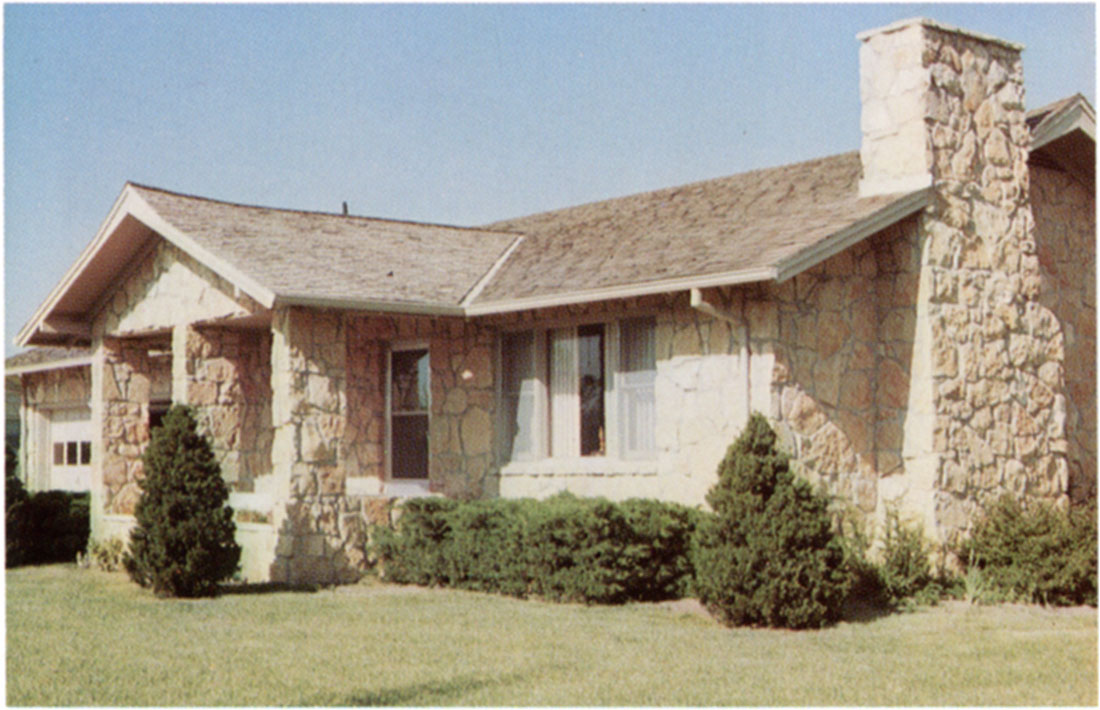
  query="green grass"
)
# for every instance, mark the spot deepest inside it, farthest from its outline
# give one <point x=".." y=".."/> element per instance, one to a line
<point x="77" y="637"/>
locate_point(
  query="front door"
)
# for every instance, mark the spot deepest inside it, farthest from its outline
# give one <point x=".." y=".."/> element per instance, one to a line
<point x="410" y="402"/>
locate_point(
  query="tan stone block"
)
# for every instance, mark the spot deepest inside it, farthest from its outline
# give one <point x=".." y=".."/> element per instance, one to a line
<point x="832" y="333"/>
<point x="202" y="393"/>
<point x="685" y="341"/>
<point x="893" y="385"/>
<point x="830" y="451"/>
<point x="803" y="413"/>
<point x="476" y="432"/>
<point x="856" y="391"/>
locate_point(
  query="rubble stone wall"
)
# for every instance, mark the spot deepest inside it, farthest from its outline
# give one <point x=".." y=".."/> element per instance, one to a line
<point x="131" y="377"/>
<point x="65" y="387"/>
<point x="329" y="415"/>
<point x="228" y="383"/>
<point x="842" y="338"/>
<point x="1065" y="236"/>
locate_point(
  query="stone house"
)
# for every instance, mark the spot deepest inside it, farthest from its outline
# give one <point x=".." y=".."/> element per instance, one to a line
<point x="917" y="319"/>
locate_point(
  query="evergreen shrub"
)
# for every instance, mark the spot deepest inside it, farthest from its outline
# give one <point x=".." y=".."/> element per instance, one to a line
<point x="564" y="548"/>
<point x="1037" y="553"/>
<point x="767" y="555"/>
<point x="183" y="543"/>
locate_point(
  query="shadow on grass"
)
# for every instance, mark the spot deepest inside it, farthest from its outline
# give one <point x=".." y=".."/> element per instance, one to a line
<point x="421" y="694"/>
<point x="266" y="588"/>
<point x="864" y="611"/>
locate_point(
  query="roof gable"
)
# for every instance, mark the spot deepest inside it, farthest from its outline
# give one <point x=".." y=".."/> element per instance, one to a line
<point x="274" y="257"/>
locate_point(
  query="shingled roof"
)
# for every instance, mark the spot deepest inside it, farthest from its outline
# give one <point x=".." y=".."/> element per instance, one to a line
<point x="750" y="223"/>
<point x="754" y="226"/>
<point x="315" y="256"/>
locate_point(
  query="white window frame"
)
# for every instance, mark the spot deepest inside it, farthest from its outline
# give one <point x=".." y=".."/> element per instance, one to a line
<point x="615" y="458"/>
<point x="404" y="487"/>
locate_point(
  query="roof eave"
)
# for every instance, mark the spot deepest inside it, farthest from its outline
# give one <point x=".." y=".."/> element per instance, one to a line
<point x="362" y="304"/>
<point x="606" y="293"/>
<point x="899" y="209"/>
<point x="851" y="235"/>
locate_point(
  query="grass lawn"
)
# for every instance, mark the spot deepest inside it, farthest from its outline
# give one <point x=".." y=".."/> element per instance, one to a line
<point x="81" y="637"/>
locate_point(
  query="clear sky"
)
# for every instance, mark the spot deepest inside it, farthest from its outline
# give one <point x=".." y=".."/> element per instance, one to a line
<point x="458" y="114"/>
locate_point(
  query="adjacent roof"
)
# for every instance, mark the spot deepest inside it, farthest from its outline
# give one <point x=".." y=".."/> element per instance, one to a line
<point x="1064" y="134"/>
<point x="46" y="359"/>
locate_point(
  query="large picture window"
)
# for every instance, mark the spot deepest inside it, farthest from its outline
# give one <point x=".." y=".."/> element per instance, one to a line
<point x="583" y="391"/>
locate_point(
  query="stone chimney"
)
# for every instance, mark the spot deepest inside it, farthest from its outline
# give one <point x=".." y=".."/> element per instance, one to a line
<point x="922" y="85"/>
<point x="943" y="108"/>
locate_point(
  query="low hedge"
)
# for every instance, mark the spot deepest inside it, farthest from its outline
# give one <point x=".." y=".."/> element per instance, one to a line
<point x="1036" y="553"/>
<point x="564" y="548"/>
<point x="50" y="526"/>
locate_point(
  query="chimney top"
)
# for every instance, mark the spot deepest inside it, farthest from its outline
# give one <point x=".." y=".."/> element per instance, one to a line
<point x="926" y="22"/>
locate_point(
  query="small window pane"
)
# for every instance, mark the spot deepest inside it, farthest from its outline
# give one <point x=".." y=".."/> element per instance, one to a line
<point x="410" y="381"/>
<point x="590" y="350"/>
<point x="72" y="453"/>
<point x="58" y="454"/>
<point x="85" y="453"/>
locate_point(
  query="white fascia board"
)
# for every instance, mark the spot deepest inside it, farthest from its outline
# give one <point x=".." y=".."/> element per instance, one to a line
<point x="114" y="217"/>
<point x="851" y="235"/>
<point x="488" y="276"/>
<point x="142" y="211"/>
<point x="726" y="278"/>
<point x="1078" y="115"/>
<point x="82" y="361"/>
<point x="404" y="307"/>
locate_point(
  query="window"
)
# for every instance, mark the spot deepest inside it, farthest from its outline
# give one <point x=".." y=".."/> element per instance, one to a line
<point x="410" y="402"/>
<point x="72" y="453"/>
<point x="157" y="410"/>
<point x="592" y="393"/>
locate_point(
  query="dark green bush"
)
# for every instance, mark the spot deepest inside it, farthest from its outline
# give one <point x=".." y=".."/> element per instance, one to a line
<point x="485" y="549"/>
<point x="1036" y="553"/>
<point x="183" y="543"/>
<point x="564" y="548"/>
<point x="411" y="552"/>
<point x="44" y="527"/>
<point x="767" y="555"/>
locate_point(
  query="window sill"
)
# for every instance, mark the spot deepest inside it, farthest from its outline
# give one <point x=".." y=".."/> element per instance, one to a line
<point x="581" y="466"/>
<point x="407" y="488"/>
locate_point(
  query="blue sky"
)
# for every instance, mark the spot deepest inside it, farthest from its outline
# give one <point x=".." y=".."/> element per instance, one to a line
<point x="458" y="114"/>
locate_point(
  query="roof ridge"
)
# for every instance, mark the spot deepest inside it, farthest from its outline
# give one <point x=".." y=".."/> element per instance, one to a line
<point x="338" y="215"/>
<point x="673" y="188"/>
